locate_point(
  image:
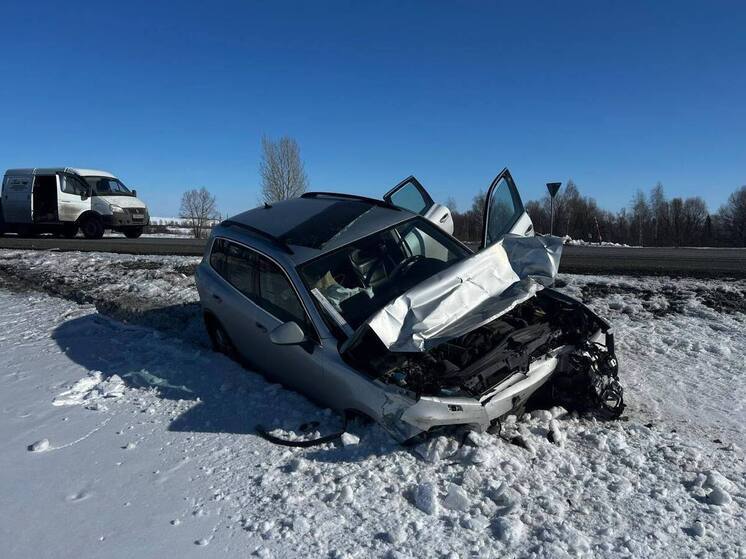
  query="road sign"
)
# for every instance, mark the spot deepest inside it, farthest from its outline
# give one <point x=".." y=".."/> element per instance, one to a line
<point x="553" y="188"/>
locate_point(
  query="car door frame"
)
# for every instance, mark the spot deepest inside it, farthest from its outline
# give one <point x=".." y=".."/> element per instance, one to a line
<point x="261" y="315"/>
<point x="517" y="216"/>
<point x="429" y="202"/>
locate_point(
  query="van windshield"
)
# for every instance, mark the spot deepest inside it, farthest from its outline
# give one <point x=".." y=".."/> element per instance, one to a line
<point x="107" y="186"/>
<point x="363" y="276"/>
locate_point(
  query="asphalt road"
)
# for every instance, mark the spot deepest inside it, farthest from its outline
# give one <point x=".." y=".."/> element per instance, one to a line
<point x="700" y="262"/>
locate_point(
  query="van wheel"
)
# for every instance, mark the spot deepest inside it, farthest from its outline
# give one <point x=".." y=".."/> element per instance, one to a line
<point x="69" y="230"/>
<point x="220" y="340"/>
<point x="92" y="227"/>
<point x="26" y="231"/>
<point x="133" y="232"/>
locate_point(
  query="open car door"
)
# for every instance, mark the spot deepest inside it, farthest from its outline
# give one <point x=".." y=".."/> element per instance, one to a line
<point x="410" y="195"/>
<point x="503" y="211"/>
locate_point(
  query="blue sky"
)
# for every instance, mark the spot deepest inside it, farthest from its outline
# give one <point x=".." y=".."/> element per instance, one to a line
<point x="616" y="95"/>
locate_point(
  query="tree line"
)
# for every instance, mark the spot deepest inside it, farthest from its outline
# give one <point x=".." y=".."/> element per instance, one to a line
<point x="650" y="220"/>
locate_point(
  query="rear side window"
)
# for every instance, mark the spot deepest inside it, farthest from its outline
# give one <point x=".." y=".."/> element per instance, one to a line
<point x="259" y="279"/>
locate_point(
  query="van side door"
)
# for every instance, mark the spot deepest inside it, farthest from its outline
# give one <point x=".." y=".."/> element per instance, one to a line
<point x="73" y="198"/>
<point x="17" y="198"/>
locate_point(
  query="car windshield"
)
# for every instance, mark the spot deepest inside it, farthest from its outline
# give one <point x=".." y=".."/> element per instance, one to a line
<point x="107" y="186"/>
<point x="361" y="277"/>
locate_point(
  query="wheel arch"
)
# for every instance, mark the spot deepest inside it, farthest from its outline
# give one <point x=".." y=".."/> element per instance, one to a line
<point x="88" y="214"/>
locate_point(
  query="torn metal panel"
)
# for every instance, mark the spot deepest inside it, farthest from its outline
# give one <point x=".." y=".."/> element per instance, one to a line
<point x="469" y="294"/>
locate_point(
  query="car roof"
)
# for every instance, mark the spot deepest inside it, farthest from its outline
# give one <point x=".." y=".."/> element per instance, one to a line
<point x="81" y="172"/>
<point x="313" y="224"/>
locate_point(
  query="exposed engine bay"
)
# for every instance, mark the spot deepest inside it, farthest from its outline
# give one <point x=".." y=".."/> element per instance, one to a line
<point x="477" y="362"/>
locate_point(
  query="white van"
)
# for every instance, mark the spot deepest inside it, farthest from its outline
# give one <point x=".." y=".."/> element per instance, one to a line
<point x="61" y="200"/>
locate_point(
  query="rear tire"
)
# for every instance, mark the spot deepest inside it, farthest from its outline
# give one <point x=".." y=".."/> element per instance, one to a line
<point x="92" y="227"/>
<point x="132" y="232"/>
<point x="69" y="230"/>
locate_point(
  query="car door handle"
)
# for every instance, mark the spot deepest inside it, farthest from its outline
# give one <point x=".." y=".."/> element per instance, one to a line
<point x="442" y="219"/>
<point x="261" y="327"/>
<point x="218" y="298"/>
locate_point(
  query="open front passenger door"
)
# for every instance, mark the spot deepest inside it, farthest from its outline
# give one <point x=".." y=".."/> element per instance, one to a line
<point x="503" y="211"/>
<point x="410" y="195"/>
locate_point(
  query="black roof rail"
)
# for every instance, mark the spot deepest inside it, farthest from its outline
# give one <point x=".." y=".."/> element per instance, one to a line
<point x="343" y="196"/>
<point x="259" y="233"/>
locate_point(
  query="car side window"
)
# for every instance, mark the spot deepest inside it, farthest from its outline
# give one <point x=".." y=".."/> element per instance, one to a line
<point x="504" y="209"/>
<point x="277" y="296"/>
<point x="259" y="279"/>
<point x="412" y="198"/>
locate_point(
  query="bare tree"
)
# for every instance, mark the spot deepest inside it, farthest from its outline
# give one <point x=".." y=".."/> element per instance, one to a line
<point x="733" y="218"/>
<point x="198" y="208"/>
<point x="282" y="170"/>
<point x="641" y="213"/>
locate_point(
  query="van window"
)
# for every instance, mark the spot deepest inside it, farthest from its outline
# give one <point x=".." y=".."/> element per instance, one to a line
<point x="72" y="185"/>
<point x="260" y="280"/>
<point x="107" y="186"/>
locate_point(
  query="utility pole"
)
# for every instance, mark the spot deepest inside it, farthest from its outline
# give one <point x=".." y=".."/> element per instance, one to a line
<point x="553" y="188"/>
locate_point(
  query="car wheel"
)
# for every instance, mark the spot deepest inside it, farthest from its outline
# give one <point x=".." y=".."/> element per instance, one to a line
<point x="221" y="342"/>
<point x="133" y="232"/>
<point x="69" y="230"/>
<point x="92" y="227"/>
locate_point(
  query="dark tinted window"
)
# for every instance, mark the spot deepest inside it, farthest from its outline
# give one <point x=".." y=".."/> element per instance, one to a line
<point x="277" y="296"/>
<point x="323" y="226"/>
<point x="260" y="279"/>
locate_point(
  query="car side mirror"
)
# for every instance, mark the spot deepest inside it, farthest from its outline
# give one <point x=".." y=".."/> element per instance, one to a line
<point x="288" y="333"/>
<point x="134" y="193"/>
<point x="84" y="195"/>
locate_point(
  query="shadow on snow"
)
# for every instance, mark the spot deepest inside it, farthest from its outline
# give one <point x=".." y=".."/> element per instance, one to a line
<point x="227" y="397"/>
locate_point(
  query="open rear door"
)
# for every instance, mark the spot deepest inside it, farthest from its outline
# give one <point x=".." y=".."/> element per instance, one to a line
<point x="410" y="195"/>
<point x="503" y="211"/>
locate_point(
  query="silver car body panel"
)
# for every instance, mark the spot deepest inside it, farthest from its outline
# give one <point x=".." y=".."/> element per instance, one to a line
<point x="469" y="294"/>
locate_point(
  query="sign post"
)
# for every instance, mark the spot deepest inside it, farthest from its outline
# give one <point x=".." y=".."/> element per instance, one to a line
<point x="553" y="188"/>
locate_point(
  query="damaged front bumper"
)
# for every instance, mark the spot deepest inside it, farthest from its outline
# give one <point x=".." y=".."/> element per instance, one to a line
<point x="406" y="418"/>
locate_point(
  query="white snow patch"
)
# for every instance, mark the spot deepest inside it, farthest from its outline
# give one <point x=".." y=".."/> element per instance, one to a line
<point x="92" y="387"/>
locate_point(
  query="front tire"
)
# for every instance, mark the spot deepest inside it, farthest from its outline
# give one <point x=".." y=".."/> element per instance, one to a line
<point x="221" y="342"/>
<point x="132" y="232"/>
<point x="92" y="227"/>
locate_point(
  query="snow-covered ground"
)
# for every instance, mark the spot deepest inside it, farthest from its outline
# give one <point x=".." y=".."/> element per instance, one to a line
<point x="580" y="242"/>
<point x="123" y="435"/>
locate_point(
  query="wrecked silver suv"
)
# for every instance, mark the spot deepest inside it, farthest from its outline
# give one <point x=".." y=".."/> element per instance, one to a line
<point x="372" y="307"/>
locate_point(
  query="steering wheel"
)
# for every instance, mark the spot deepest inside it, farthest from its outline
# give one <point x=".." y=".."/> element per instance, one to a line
<point x="404" y="266"/>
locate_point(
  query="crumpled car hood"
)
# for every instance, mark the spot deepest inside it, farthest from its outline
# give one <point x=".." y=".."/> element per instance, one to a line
<point x="469" y="294"/>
